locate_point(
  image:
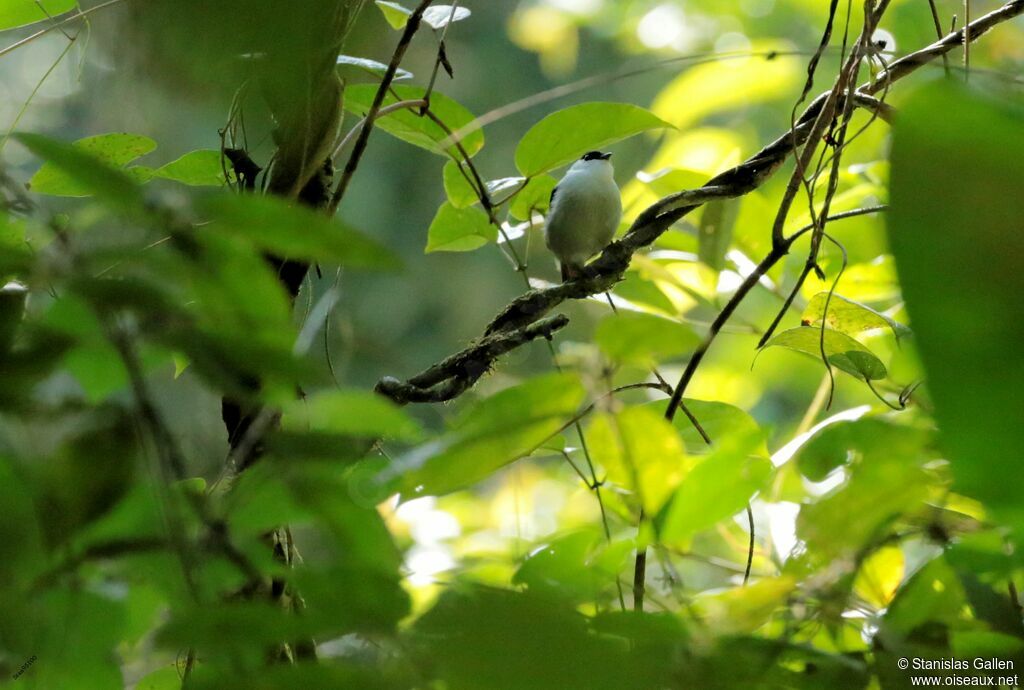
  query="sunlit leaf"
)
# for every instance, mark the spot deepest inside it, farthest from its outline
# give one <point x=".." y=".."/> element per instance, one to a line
<point x="14" y="13"/>
<point x="724" y="85"/>
<point x="644" y="339"/>
<point x="745" y="609"/>
<point x="955" y="232"/>
<point x="294" y="231"/>
<point x="395" y="14"/>
<point x="459" y="230"/>
<point x="719" y="421"/>
<point x="419" y="130"/>
<point x="880" y="576"/>
<point x="200" y="168"/>
<point x="640" y="451"/>
<point x="842" y="351"/>
<point x="849" y="317"/>
<point x="567" y="134"/>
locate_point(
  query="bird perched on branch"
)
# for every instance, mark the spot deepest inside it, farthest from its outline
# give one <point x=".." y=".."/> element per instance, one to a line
<point x="584" y="213"/>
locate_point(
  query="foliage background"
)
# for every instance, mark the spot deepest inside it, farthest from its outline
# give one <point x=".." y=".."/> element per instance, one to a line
<point x="875" y="539"/>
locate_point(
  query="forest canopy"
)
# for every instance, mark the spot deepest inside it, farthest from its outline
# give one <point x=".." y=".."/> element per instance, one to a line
<point x="294" y="394"/>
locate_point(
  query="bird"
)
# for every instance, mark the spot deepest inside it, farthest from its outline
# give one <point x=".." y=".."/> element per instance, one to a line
<point x="584" y="212"/>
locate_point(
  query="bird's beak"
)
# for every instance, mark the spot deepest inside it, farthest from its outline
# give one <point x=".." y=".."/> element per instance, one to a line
<point x="605" y="156"/>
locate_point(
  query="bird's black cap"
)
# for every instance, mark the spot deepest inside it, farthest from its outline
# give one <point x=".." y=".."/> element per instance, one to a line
<point x="595" y="155"/>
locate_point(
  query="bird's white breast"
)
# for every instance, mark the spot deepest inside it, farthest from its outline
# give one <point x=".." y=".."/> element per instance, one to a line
<point x="585" y="213"/>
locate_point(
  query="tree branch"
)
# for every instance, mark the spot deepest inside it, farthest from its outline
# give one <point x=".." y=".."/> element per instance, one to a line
<point x="600" y="275"/>
<point x="451" y="377"/>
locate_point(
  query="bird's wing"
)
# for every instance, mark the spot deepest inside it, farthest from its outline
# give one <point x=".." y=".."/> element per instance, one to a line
<point x="552" y="199"/>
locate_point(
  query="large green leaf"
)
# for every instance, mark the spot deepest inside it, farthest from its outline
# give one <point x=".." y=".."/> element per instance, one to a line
<point x="293" y="231"/>
<point x="565" y="135"/>
<point x="877" y="493"/>
<point x="955" y="231"/>
<point x="89" y="166"/>
<point x="408" y="125"/>
<point x="847" y="316"/>
<point x="200" y="168"/>
<point x="842" y="351"/>
<point x="14" y="13"/>
<point x="459" y="230"/>
<point x="716" y="488"/>
<point x="494" y="432"/>
<point x="640" y="451"/>
<point x="719" y="421"/>
<point x="645" y="339"/>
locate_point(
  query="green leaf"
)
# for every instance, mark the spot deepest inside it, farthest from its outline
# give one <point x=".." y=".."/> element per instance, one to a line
<point x="462" y="195"/>
<point x="352" y="413"/>
<point x="459" y="230"/>
<point x="877" y="493"/>
<point x="89" y="166"/>
<point x="166" y="678"/>
<point x="847" y="316"/>
<point x="15" y="13"/>
<point x="719" y="421"/>
<point x="484" y="637"/>
<point x="957" y="162"/>
<point x="409" y="126"/>
<point x="565" y="135"/>
<point x="714" y="234"/>
<point x="842" y="351"/>
<point x="439" y="16"/>
<point x="535" y="197"/>
<point x="494" y="432"/>
<point x="294" y="231"/>
<point x="395" y="14"/>
<point x="717" y="488"/>
<point x="641" y="452"/>
<point x="643" y="339"/>
<point x="857" y="441"/>
<point x="373" y="67"/>
<point x="200" y="168"/>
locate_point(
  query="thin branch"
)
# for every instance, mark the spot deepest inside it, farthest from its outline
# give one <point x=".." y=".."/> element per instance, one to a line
<point x="411" y="26"/>
<point x="451" y="377"/>
<point x="386" y="110"/>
